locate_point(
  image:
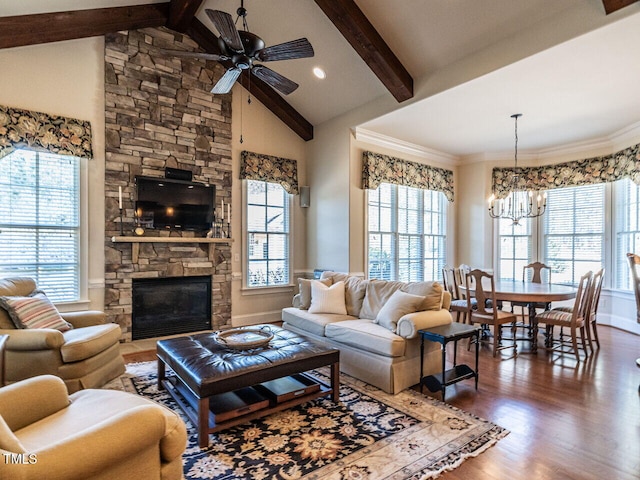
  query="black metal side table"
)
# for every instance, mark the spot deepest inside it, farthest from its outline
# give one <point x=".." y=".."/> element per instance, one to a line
<point x="443" y="335"/>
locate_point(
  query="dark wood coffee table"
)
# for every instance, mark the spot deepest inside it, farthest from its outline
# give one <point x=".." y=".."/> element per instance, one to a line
<point x="205" y="369"/>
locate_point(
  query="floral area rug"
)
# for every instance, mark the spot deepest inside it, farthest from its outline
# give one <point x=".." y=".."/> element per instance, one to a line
<point x="368" y="435"/>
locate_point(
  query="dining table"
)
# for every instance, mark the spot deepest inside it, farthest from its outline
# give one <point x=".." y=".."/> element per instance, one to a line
<point x="531" y="294"/>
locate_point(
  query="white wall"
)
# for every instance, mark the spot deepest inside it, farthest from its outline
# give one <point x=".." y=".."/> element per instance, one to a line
<point x="263" y="133"/>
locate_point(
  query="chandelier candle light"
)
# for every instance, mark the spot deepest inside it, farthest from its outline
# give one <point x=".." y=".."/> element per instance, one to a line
<point x="519" y="203"/>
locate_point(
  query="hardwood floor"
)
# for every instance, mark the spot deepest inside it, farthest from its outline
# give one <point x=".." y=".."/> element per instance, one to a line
<point x="567" y="420"/>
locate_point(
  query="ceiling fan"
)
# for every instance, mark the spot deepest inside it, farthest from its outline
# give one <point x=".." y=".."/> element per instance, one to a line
<point x="241" y="49"/>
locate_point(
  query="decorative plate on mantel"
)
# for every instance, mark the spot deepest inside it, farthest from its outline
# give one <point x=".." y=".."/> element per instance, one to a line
<point x="243" y="338"/>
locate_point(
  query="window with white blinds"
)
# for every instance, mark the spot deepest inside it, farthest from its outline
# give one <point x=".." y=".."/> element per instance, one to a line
<point x="514" y="243"/>
<point x="268" y="242"/>
<point x="627" y="229"/>
<point x="406" y="233"/>
<point x="40" y="221"/>
<point x="574" y="231"/>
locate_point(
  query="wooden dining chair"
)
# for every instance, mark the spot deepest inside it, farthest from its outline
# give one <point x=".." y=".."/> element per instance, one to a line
<point x="458" y="302"/>
<point x="575" y="320"/>
<point x="634" y="265"/>
<point x="486" y="313"/>
<point x="591" y="328"/>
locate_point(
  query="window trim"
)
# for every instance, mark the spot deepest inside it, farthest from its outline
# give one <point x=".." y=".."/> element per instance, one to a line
<point x="246" y="289"/>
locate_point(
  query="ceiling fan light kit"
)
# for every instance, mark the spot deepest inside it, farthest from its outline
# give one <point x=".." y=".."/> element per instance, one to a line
<point x="240" y="50"/>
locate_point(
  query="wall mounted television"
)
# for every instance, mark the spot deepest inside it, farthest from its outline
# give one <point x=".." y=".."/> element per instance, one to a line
<point x="163" y="203"/>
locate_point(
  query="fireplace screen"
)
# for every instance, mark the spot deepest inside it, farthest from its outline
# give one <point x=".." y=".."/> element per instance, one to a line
<point x="169" y="306"/>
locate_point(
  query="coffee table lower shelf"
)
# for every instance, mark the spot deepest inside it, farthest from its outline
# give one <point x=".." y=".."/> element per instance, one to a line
<point x="191" y="406"/>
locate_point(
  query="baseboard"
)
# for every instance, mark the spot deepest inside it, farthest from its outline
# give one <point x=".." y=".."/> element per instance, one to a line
<point x="256" y="318"/>
<point x="619" y="322"/>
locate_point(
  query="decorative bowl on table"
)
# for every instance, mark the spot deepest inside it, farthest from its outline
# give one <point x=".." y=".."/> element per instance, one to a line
<point x="244" y="338"/>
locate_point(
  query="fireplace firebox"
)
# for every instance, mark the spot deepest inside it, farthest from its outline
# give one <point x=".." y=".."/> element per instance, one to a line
<point x="169" y="306"/>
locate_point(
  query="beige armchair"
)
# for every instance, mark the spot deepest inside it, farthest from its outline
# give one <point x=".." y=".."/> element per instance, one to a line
<point x="91" y="434"/>
<point x="87" y="356"/>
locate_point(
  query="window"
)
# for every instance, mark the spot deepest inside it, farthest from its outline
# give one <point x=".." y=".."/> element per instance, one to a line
<point x="40" y="221"/>
<point x="267" y="234"/>
<point x="573" y="228"/>
<point x="515" y="247"/>
<point x="627" y="215"/>
<point x="572" y="236"/>
<point x="407" y="233"/>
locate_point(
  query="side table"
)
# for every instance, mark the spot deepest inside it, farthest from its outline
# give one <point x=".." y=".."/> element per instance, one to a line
<point x="443" y="335"/>
<point x="3" y="342"/>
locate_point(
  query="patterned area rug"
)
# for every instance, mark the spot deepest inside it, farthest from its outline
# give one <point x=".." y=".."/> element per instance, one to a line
<point x="368" y="435"/>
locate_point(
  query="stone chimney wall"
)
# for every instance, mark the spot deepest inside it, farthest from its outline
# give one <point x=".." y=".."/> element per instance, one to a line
<point x="159" y="113"/>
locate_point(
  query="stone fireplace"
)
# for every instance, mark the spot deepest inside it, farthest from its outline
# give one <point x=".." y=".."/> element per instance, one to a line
<point x="158" y="114"/>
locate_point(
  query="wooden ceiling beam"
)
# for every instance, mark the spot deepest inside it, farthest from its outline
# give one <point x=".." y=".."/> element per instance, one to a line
<point x="367" y="42"/>
<point x="277" y="105"/>
<point x="21" y="30"/>
<point x="181" y="13"/>
<point x="611" y="6"/>
<point x="259" y="89"/>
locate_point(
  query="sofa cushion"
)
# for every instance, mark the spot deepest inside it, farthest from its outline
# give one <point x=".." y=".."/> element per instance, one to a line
<point x="368" y="336"/>
<point x="304" y="289"/>
<point x="311" y="322"/>
<point x="379" y="292"/>
<point x="398" y="305"/>
<point x="355" y="289"/>
<point x="86" y="342"/>
<point x="432" y="291"/>
<point x="34" y="311"/>
<point x="326" y="299"/>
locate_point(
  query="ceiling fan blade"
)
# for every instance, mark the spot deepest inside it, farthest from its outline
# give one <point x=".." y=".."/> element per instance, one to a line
<point x="227" y="29"/>
<point x="277" y="81"/>
<point x="300" y="48"/>
<point x="198" y="55"/>
<point x="226" y="81"/>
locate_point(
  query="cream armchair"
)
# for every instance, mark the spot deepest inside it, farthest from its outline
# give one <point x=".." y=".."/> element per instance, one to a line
<point x="91" y="434"/>
<point x="86" y="356"/>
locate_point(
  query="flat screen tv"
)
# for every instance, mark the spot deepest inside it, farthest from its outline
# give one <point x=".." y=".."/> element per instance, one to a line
<point x="163" y="203"/>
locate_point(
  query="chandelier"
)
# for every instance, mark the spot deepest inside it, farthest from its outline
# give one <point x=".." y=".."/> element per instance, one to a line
<point x="519" y="203"/>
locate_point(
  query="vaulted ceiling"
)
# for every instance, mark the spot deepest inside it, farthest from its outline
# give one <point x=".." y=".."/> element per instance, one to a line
<point x="376" y="49"/>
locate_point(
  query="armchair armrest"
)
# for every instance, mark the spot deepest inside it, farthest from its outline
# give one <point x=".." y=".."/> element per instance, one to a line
<point x="409" y="324"/>
<point x="35" y="339"/>
<point x="96" y="449"/>
<point x="85" y="319"/>
<point x="25" y="402"/>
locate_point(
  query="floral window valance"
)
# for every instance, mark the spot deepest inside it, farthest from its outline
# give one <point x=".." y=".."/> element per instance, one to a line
<point x="608" y="168"/>
<point x="267" y="168"/>
<point x="378" y="168"/>
<point x="43" y="132"/>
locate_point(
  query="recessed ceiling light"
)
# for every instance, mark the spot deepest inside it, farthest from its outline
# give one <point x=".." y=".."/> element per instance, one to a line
<point x="319" y="72"/>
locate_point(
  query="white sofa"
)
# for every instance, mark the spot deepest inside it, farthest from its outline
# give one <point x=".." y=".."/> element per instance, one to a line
<point x="372" y="349"/>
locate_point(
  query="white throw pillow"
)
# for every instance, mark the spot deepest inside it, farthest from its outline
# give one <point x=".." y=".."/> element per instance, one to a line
<point x="326" y="299"/>
<point x="396" y="307"/>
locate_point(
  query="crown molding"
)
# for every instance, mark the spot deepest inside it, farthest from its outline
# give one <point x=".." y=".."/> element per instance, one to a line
<point x="618" y="140"/>
<point x="363" y="135"/>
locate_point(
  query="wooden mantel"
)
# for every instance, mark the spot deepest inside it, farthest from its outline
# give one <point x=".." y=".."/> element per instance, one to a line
<point x="136" y="241"/>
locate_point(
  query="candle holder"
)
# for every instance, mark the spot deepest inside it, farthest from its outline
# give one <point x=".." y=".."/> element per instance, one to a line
<point x="121" y="224"/>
